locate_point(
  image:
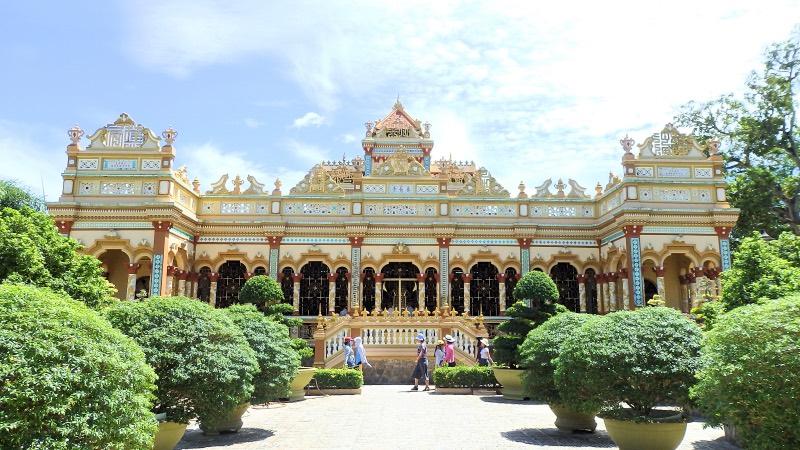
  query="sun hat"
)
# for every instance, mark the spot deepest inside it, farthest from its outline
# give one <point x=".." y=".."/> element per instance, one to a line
<point x="420" y="337"/>
<point x="449" y="339"/>
<point x="485" y="342"/>
<point x="440" y="342"/>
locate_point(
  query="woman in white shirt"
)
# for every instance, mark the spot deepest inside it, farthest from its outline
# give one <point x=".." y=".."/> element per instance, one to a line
<point x="484" y="358"/>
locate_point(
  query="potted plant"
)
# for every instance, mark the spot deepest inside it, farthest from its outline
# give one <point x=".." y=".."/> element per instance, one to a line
<point x="204" y="364"/>
<point x="539" y="295"/>
<point x="748" y="381"/>
<point x="68" y="379"/>
<point x="337" y="381"/>
<point x="538" y="352"/>
<point x="281" y="313"/>
<point x="640" y="359"/>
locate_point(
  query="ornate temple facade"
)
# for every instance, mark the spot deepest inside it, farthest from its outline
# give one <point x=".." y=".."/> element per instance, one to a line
<point x="393" y="230"/>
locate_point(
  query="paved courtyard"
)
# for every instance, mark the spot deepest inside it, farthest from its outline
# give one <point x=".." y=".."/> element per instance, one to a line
<point x="388" y="417"/>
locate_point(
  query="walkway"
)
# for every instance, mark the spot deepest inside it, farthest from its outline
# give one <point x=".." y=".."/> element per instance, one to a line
<point x="391" y="417"/>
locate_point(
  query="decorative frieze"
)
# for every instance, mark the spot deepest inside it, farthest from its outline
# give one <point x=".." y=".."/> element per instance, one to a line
<point x="561" y="211"/>
<point x="677" y="230"/>
<point x="316" y="209"/>
<point x="111" y="225"/>
<point x="484" y="210"/>
<point x="232" y="239"/>
<point x="119" y="164"/>
<point x="149" y="188"/>
<point x="672" y="195"/>
<point x="703" y="172"/>
<point x="117" y="188"/>
<point x="393" y="241"/>
<point x="644" y="171"/>
<point x="235" y="208"/>
<point x="564" y="243"/>
<point x="374" y="189"/>
<point x="484" y="242"/>
<point x="673" y="172"/>
<point x="402" y="189"/>
<point x="87" y="188"/>
<point x="88" y="164"/>
<point x="151" y="164"/>
<point x="318" y="240"/>
<point x="427" y="189"/>
<point x="399" y="210"/>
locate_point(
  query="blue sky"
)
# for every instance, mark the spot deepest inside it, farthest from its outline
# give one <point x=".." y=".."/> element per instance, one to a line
<point x="529" y="90"/>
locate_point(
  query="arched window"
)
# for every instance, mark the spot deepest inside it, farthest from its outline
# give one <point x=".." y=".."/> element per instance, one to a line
<point x="430" y="288"/>
<point x="565" y="276"/>
<point x="342" y="285"/>
<point x="287" y="285"/>
<point x="591" y="291"/>
<point x="260" y="270"/>
<point x="204" y="284"/>
<point x="314" y="289"/>
<point x="457" y="290"/>
<point x="368" y="289"/>
<point x="484" y="290"/>
<point x="142" y="287"/>
<point x="511" y="283"/>
<point x="400" y="286"/>
<point x="650" y="290"/>
<point x="231" y="279"/>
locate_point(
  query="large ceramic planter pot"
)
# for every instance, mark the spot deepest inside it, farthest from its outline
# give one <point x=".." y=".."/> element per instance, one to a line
<point x="168" y="435"/>
<point x="299" y="382"/>
<point x="629" y="435"/>
<point x="230" y="423"/>
<point x="511" y="379"/>
<point x="569" y="420"/>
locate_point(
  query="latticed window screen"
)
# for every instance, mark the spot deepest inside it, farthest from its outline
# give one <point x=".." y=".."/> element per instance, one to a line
<point x="342" y="285"/>
<point x="204" y="284"/>
<point x="511" y="283"/>
<point x="368" y="289"/>
<point x="287" y="285"/>
<point x="457" y="290"/>
<point x="231" y="280"/>
<point x="591" y="291"/>
<point x="430" y="288"/>
<point x="484" y="290"/>
<point x="565" y="276"/>
<point x="314" y="289"/>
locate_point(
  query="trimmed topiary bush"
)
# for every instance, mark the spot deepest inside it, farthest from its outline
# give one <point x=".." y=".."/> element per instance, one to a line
<point x="749" y="376"/>
<point x="204" y="364"/>
<point x="277" y="361"/>
<point x="464" y="377"/>
<point x="282" y="313"/>
<point x="261" y="290"/>
<point x="539" y="295"/>
<point x="541" y="347"/>
<point x="338" y="378"/>
<point x="641" y="358"/>
<point x="68" y="380"/>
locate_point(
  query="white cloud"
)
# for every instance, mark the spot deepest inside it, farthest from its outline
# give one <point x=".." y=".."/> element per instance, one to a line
<point x="348" y="138"/>
<point x="308" y="119"/>
<point x="28" y="157"/>
<point x="249" y="122"/>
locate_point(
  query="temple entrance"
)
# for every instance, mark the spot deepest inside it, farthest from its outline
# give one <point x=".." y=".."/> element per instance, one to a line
<point x="400" y="286"/>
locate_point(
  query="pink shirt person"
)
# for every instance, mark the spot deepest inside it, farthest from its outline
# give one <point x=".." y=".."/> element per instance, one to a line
<point x="449" y="351"/>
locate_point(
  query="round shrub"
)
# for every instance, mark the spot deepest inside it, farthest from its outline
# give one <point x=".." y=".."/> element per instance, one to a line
<point x="540" y="348"/>
<point x="261" y="290"/>
<point x="277" y="361"/>
<point x="68" y="380"/>
<point x="749" y="376"/>
<point x="538" y="287"/>
<point x="338" y="378"/>
<point x="204" y="364"/>
<point x="641" y="358"/>
<point x="464" y="377"/>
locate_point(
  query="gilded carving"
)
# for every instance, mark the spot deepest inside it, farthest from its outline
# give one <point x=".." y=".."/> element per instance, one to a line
<point x="483" y="184"/>
<point x="317" y="181"/>
<point x="400" y="163"/>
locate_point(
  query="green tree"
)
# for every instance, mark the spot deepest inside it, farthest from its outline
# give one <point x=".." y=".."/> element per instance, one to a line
<point x="261" y="290"/>
<point x="282" y="313"/>
<point x="761" y="142"/>
<point x="32" y="251"/>
<point x="14" y="195"/>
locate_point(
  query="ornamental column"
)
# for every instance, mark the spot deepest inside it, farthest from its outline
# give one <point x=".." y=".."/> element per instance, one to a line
<point x="274" y="255"/>
<point x="524" y="255"/>
<point x="191" y="284"/>
<point x="182" y="276"/>
<point x="612" y="291"/>
<point x="421" y="291"/>
<point x="582" y="293"/>
<point x="635" y="280"/>
<point x="444" y="271"/>
<point x="623" y="276"/>
<point x="130" y="294"/>
<point x="712" y="275"/>
<point x="501" y="284"/>
<point x="355" y="267"/>
<point x="426" y="158"/>
<point x="467" y="297"/>
<point x="601" y="295"/>
<point x="691" y="283"/>
<point x="170" y="282"/>
<point x="684" y="279"/>
<point x="379" y="291"/>
<point x="159" y="277"/>
<point x="296" y="293"/>
<point x="723" y="233"/>
<point x="213" y="278"/>
<point x="332" y="293"/>
<point x="659" y="270"/>
<point x="700" y="284"/>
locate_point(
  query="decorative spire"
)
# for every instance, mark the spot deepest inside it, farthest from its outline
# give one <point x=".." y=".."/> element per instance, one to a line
<point x="627" y="144"/>
<point x="237" y="185"/>
<point x="75" y="133"/>
<point x="598" y="190"/>
<point x="522" y="193"/>
<point x="560" y="187"/>
<point x="196" y="185"/>
<point x="713" y="147"/>
<point x="397" y="104"/>
<point x="169" y="135"/>
<point x="278" y="184"/>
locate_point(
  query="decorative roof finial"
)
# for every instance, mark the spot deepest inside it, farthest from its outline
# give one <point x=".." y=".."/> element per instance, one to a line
<point x="713" y="147"/>
<point x="368" y="126"/>
<point x="75" y="133"/>
<point x="627" y="144"/>
<point x="598" y="190"/>
<point x="397" y="104"/>
<point x="169" y="135"/>
<point x="196" y="184"/>
<point x="237" y="185"/>
<point x="522" y="193"/>
<point x="560" y="186"/>
<point x="278" y="184"/>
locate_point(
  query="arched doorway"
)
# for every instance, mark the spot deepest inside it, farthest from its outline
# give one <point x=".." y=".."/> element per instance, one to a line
<point x="457" y="290"/>
<point x="341" y="285"/>
<point x="260" y="270"/>
<point x="314" y="289"/>
<point x="511" y="283"/>
<point x="232" y="275"/>
<point x="484" y="290"/>
<point x="675" y="266"/>
<point x="591" y="291"/>
<point x="368" y="289"/>
<point x="400" y="286"/>
<point x="430" y="289"/>
<point x="115" y="269"/>
<point x="287" y="285"/>
<point x="650" y="290"/>
<point x="204" y="284"/>
<point x="565" y="275"/>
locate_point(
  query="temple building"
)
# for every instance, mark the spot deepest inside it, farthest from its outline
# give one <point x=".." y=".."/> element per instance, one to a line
<point x="393" y="230"/>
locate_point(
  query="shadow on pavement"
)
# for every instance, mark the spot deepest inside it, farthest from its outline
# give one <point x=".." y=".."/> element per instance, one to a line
<point x="554" y="438"/>
<point x="720" y="443"/>
<point x="501" y="399"/>
<point x="195" y="439"/>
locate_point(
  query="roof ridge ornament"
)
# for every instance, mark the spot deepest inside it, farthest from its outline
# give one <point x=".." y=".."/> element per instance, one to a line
<point x="670" y="143"/>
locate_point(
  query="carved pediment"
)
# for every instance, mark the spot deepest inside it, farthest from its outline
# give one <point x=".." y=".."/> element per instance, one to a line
<point x="670" y="143"/>
<point x="483" y="184"/>
<point x="398" y="124"/>
<point x="317" y="181"/>
<point x="400" y="164"/>
<point x="124" y="133"/>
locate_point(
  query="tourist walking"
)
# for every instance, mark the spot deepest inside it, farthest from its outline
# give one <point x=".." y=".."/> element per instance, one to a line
<point x="349" y="355"/>
<point x="361" y="354"/>
<point x="450" y="351"/>
<point x="421" y="369"/>
<point x="438" y="354"/>
<point x="484" y="358"/>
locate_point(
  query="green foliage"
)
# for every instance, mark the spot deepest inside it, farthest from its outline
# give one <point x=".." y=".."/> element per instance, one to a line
<point x="338" y="378"/>
<point x="760" y="141"/>
<point x="541" y="347"/>
<point x="464" y="377"/>
<point x="68" y="380"/>
<point x="15" y="196"/>
<point x="749" y="376"/>
<point x="641" y="358"/>
<point x="204" y="364"/>
<point x="762" y="271"/>
<point x="33" y="252"/>
<point x="277" y="361"/>
<point x="708" y="313"/>
<point x="539" y="291"/>
<point x="282" y="313"/>
<point x="261" y="290"/>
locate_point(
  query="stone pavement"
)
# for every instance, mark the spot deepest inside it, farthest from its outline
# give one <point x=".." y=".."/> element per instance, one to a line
<point x="391" y="417"/>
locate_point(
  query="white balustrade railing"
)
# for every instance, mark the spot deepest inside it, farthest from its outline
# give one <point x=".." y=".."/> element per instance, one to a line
<point x="334" y="344"/>
<point x="398" y="335"/>
<point x="464" y="342"/>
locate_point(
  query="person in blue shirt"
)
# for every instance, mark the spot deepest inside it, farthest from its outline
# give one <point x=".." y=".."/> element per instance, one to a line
<point x="349" y="354"/>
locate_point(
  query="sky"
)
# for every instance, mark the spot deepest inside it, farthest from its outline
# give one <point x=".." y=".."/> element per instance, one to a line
<point x="530" y="90"/>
